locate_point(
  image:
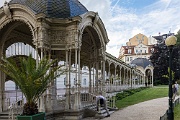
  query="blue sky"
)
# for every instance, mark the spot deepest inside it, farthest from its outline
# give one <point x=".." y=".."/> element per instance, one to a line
<point x="135" y="4"/>
<point x="125" y="18"/>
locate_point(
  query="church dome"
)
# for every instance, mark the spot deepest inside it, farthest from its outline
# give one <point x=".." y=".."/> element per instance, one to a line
<point x="143" y="62"/>
<point x="54" y="8"/>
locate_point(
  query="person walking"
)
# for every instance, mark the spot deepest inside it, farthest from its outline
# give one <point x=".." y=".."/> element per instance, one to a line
<point x="174" y="89"/>
<point x="101" y="102"/>
<point x="177" y="88"/>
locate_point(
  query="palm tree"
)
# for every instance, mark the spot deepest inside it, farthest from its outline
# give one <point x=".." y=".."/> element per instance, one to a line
<point x="32" y="79"/>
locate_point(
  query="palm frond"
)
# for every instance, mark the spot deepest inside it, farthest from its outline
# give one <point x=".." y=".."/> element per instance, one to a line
<point x="32" y="79"/>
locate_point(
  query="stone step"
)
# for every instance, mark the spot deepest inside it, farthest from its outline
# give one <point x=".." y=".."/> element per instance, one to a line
<point x="5" y="115"/>
<point x="2" y="117"/>
<point x="104" y="114"/>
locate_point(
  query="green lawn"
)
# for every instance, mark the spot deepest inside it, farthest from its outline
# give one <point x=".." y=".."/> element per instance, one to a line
<point x="144" y="95"/>
<point x="148" y="94"/>
<point x="177" y="112"/>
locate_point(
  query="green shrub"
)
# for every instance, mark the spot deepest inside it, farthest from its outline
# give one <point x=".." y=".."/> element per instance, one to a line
<point x="128" y="92"/>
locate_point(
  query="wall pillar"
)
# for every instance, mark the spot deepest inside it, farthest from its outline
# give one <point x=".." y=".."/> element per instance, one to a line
<point x="103" y="78"/>
<point x="90" y="79"/>
<point x="67" y="106"/>
<point x="152" y="78"/>
<point x="97" y="78"/>
<point x="2" y="94"/>
<point x="79" y="78"/>
<point x="120" y="75"/>
<point x="76" y="104"/>
<point x="43" y="97"/>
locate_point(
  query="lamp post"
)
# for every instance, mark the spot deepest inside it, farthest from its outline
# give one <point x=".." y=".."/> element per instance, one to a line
<point x="170" y="42"/>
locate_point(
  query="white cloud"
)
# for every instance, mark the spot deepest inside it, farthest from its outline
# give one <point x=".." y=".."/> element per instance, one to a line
<point x="137" y="31"/>
<point x="122" y="23"/>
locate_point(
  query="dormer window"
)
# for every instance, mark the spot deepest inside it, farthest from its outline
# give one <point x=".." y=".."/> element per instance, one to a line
<point x="129" y="51"/>
<point x="152" y="50"/>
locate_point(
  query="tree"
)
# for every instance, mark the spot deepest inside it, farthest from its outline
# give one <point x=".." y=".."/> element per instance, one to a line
<point x="178" y="38"/>
<point x="160" y="60"/>
<point x="32" y="79"/>
<point x="167" y="76"/>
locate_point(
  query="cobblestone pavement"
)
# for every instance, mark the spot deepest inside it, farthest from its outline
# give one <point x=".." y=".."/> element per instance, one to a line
<point x="148" y="110"/>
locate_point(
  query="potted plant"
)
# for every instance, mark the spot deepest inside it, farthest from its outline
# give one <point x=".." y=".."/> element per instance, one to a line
<point x="33" y="80"/>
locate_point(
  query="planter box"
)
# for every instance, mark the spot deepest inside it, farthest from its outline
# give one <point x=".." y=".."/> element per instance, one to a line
<point x="39" y="116"/>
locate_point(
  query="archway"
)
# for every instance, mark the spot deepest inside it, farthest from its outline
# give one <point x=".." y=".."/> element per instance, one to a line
<point x="16" y="40"/>
<point x="148" y="75"/>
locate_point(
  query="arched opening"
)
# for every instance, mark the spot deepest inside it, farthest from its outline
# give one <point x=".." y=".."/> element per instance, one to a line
<point x="16" y="41"/>
<point x="10" y="85"/>
<point x="21" y="49"/>
<point x="148" y="76"/>
<point x="90" y="46"/>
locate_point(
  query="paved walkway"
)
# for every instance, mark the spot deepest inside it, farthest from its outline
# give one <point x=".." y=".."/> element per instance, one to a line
<point x="148" y="110"/>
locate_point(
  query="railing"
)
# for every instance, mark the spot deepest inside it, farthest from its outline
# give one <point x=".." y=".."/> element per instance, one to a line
<point x="15" y="108"/>
<point x="87" y="100"/>
<point x="7" y="104"/>
<point x="111" y="100"/>
<point x="61" y="102"/>
<point x="110" y="88"/>
<point x="11" y="113"/>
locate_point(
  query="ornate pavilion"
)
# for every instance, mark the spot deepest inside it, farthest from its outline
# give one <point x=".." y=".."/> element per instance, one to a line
<point x="67" y="31"/>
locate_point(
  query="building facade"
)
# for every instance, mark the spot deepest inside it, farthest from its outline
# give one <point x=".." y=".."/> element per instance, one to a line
<point x="137" y="47"/>
<point x="137" y="53"/>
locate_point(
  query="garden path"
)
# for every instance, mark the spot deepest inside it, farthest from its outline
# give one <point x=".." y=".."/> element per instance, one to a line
<point x="148" y="110"/>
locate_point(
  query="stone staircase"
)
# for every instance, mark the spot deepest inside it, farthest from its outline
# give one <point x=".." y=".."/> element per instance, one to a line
<point x="5" y="116"/>
<point x="91" y="113"/>
<point x="102" y="114"/>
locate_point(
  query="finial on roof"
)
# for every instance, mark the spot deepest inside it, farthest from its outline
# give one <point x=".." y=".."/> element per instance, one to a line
<point x="5" y="2"/>
<point x="7" y="9"/>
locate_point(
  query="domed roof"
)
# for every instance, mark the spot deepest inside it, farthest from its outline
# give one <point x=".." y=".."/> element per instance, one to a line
<point x="54" y="8"/>
<point x="143" y="62"/>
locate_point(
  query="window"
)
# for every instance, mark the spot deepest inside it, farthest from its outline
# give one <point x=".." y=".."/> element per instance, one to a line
<point x="164" y="37"/>
<point x="136" y="51"/>
<point x="65" y="81"/>
<point x="74" y="81"/>
<point x="127" y="59"/>
<point x="152" y="50"/>
<point x="139" y="41"/>
<point x="129" y="50"/>
<point x="84" y="68"/>
<point x="131" y="58"/>
<point x="84" y="81"/>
